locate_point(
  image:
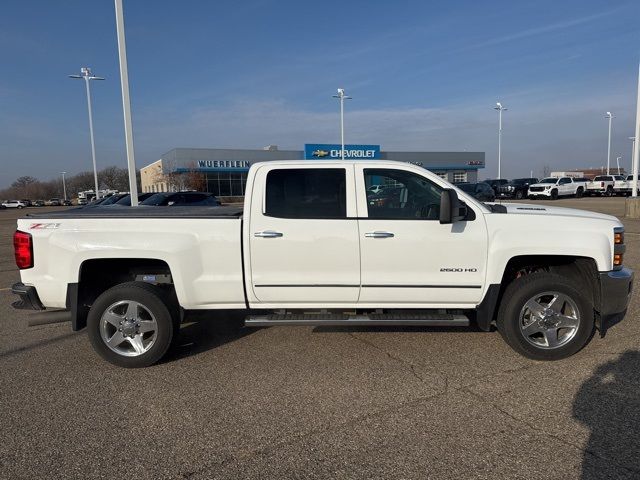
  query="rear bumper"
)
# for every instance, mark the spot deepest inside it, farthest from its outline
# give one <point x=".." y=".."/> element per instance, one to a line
<point x="29" y="299"/>
<point x="615" y="293"/>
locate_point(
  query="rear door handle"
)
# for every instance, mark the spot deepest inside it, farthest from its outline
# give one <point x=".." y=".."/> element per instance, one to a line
<point x="379" y="235"/>
<point x="267" y="234"/>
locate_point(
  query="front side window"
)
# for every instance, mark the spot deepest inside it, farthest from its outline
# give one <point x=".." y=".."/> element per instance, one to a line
<point x="313" y="193"/>
<point x="411" y="197"/>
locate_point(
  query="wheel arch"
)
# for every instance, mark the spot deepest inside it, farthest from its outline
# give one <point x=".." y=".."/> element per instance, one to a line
<point x="99" y="274"/>
<point x="583" y="271"/>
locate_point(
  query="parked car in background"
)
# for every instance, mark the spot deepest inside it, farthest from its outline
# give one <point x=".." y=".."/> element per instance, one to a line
<point x="54" y="202"/>
<point x="621" y="186"/>
<point x="629" y="180"/>
<point x="495" y="183"/>
<point x="27" y="203"/>
<point x="38" y="203"/>
<point x="482" y="191"/>
<point x="373" y="189"/>
<point x="181" y="199"/>
<point x="67" y="203"/>
<point x="517" y="188"/>
<point x="13" y="204"/>
<point x="389" y="197"/>
<point x="108" y="200"/>
<point x="126" y="200"/>
<point x="553" y="188"/>
<point x="601" y="185"/>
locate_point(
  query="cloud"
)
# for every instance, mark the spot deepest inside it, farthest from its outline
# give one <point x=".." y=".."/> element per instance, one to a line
<point x="544" y="29"/>
<point x="562" y="131"/>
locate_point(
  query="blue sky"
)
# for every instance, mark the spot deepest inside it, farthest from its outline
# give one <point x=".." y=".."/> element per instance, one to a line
<point x="424" y="76"/>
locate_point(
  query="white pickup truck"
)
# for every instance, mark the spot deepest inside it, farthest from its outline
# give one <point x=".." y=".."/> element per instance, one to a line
<point x="312" y="247"/>
<point x="605" y="185"/>
<point x="555" y="187"/>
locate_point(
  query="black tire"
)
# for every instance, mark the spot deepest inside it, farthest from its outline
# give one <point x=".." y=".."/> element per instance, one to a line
<point x="554" y="194"/>
<point x="524" y="289"/>
<point x="609" y="192"/>
<point x="157" y="301"/>
<point x="19" y="207"/>
<point x="519" y="195"/>
<point x="532" y="197"/>
<point x="579" y="192"/>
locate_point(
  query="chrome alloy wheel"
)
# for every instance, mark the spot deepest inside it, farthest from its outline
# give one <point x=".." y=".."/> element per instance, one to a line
<point x="549" y="320"/>
<point x="128" y="328"/>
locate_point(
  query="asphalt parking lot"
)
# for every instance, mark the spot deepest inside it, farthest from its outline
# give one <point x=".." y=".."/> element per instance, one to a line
<point x="298" y="402"/>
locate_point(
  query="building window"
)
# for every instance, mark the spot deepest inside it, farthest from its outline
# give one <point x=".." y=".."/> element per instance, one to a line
<point x="459" y="177"/>
<point x="443" y="175"/>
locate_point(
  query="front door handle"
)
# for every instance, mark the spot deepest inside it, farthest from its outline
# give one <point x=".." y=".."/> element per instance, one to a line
<point x="379" y="235"/>
<point x="267" y="234"/>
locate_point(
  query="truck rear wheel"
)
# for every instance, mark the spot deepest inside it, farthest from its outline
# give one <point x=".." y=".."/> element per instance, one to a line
<point x="544" y="317"/>
<point x="579" y="192"/>
<point x="131" y="325"/>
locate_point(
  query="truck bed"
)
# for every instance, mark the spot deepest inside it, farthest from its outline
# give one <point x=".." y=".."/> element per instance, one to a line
<point x="142" y="212"/>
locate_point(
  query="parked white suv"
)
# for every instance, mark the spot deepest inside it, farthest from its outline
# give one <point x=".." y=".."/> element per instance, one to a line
<point x="552" y="187"/>
<point x="14" y="204"/>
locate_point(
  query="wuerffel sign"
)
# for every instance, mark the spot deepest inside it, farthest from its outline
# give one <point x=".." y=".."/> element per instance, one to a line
<point x="332" y="152"/>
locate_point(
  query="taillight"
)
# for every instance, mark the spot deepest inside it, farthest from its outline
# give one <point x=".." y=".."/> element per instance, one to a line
<point x="23" y="249"/>
<point x="601" y="184"/>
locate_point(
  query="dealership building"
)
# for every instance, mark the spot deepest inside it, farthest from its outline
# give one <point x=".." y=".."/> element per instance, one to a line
<point x="225" y="170"/>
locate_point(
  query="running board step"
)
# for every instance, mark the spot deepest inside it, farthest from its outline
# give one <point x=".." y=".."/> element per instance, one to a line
<point x="383" y="319"/>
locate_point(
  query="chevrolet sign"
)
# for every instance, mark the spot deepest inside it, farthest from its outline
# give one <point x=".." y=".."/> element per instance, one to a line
<point x="332" y="152"/>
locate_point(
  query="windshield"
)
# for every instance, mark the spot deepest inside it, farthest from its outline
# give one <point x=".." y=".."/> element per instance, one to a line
<point x="548" y="180"/>
<point x="156" y="200"/>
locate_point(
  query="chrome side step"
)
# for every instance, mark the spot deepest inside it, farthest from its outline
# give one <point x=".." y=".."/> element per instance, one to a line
<point x="382" y="319"/>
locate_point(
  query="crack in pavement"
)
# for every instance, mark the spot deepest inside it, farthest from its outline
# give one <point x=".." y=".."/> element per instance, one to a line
<point x="412" y="367"/>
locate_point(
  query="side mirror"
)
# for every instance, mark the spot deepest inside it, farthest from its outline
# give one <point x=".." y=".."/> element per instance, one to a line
<point x="451" y="210"/>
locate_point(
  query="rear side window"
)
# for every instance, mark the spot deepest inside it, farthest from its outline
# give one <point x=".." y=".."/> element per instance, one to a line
<point x="306" y="193"/>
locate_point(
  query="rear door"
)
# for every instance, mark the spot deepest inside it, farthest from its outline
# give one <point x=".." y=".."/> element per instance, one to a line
<point x="409" y="259"/>
<point x="304" y="245"/>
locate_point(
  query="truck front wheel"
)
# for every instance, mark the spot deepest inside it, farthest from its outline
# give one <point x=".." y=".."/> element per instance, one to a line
<point x="544" y="317"/>
<point x="554" y="194"/>
<point x="131" y="325"/>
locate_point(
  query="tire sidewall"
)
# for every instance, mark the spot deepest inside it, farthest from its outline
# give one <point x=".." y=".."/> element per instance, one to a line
<point x="523" y="289"/>
<point x="151" y="298"/>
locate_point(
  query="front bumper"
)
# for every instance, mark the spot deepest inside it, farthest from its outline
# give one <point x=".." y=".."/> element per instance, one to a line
<point x="29" y="299"/>
<point x="615" y="293"/>
<point x="543" y="193"/>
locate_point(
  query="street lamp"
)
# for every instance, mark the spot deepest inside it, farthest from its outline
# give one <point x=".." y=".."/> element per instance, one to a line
<point x="500" y="109"/>
<point x="618" y="163"/>
<point x="64" y="185"/>
<point x="342" y="98"/>
<point x="85" y="74"/>
<point x="609" y="115"/>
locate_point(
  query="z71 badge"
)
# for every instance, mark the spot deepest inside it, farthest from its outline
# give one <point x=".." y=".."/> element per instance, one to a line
<point x="44" y="226"/>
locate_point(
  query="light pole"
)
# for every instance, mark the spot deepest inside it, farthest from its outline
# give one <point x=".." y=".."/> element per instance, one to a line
<point x="85" y="73"/>
<point x="618" y="163"/>
<point x="126" y="103"/>
<point x="500" y="109"/>
<point x="342" y="98"/>
<point x="64" y="185"/>
<point x="609" y="115"/>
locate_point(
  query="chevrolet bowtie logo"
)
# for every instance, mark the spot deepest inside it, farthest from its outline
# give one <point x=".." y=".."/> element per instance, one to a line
<point x="320" y="153"/>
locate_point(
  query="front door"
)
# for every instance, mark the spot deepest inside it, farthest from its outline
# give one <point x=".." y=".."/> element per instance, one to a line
<point x="303" y="235"/>
<point x="408" y="257"/>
